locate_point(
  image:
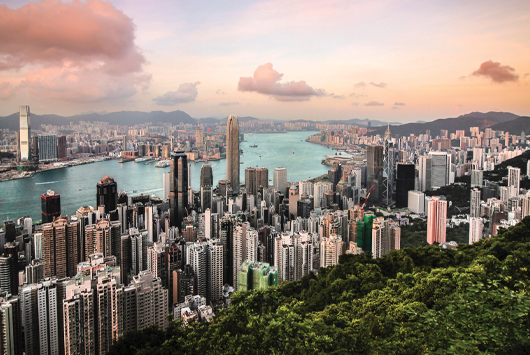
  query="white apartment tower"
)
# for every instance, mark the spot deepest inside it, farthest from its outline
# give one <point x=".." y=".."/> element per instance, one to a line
<point x="476" y="227"/>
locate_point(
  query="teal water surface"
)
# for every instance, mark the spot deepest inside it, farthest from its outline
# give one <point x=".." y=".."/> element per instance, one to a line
<point x="77" y="185"/>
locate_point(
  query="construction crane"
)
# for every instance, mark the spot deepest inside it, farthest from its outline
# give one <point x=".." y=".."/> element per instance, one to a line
<point x="367" y="197"/>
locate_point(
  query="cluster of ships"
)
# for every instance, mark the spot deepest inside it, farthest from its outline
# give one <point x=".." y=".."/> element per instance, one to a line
<point x="164" y="163"/>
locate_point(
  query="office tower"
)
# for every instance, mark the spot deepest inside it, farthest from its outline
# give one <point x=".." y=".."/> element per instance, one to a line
<point x="388" y="168"/>
<point x="9" y="274"/>
<point x="386" y="236"/>
<point x="514" y="181"/>
<point x="250" y="181"/>
<point x="206" y="197"/>
<point x="24" y="134"/>
<point x="476" y="227"/>
<point x="424" y="173"/>
<point x="330" y="250"/>
<point x="441" y="174"/>
<point x="199" y="138"/>
<point x="475" y="203"/>
<point x="232" y="152"/>
<point x="166" y="181"/>
<point x="178" y="189"/>
<point x="255" y="275"/>
<point x="51" y="206"/>
<point x="11" y="340"/>
<point x="35" y="148"/>
<point x="335" y="175"/>
<point x="107" y="194"/>
<point x="280" y="179"/>
<point x="59" y="247"/>
<point x="416" y="202"/>
<point x="404" y="183"/>
<point x="61" y="147"/>
<point x="47" y="148"/>
<point x="206" y="175"/>
<point x="374" y="173"/>
<point x="227" y="225"/>
<point x="262" y="179"/>
<point x="10" y="231"/>
<point x="476" y="178"/>
<point x="436" y="220"/>
<point x="293" y="198"/>
<point x="124" y="143"/>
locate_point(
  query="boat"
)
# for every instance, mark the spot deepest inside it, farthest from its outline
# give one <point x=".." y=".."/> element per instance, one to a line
<point x="253" y="146"/>
<point x="125" y="160"/>
<point x="162" y="164"/>
<point x="135" y="190"/>
<point x="139" y="160"/>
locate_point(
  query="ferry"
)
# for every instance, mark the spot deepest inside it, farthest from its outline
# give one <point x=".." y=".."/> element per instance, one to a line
<point x="253" y="146"/>
<point x="139" y="160"/>
<point x="162" y="164"/>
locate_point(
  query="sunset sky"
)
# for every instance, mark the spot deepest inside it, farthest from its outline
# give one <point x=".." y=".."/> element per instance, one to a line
<point x="280" y="59"/>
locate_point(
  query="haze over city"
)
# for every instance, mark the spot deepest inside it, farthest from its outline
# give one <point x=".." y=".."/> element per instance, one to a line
<point x="384" y="60"/>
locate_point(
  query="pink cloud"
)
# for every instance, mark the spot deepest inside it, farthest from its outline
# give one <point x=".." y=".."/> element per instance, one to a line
<point x="186" y="92"/>
<point x="339" y="97"/>
<point x="355" y="104"/>
<point x="374" y="103"/>
<point x="398" y="103"/>
<point x="81" y="43"/>
<point x="267" y="81"/>
<point x="359" y="85"/>
<point x="496" y="72"/>
<point x="378" y="85"/>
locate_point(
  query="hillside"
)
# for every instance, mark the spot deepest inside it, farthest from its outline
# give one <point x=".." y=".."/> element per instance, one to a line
<point x="515" y="126"/>
<point x="413" y="301"/>
<point x="475" y="119"/>
<point x="116" y="118"/>
<point x="501" y="170"/>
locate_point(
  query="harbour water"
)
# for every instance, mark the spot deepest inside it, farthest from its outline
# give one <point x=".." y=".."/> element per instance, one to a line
<point x="77" y="185"/>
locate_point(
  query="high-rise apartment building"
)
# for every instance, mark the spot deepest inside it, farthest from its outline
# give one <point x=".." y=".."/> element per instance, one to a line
<point x="24" y="134"/>
<point x="257" y="275"/>
<point x="514" y="181"/>
<point x="166" y="182"/>
<point x="103" y="237"/>
<point x="386" y="236"/>
<point x="374" y="173"/>
<point x="60" y="253"/>
<point x="61" y="147"/>
<point x="436" y="220"/>
<point x="47" y="148"/>
<point x="51" y="206"/>
<point x="475" y="203"/>
<point x="178" y="190"/>
<point x="10" y="326"/>
<point x="293" y="255"/>
<point x="199" y="138"/>
<point x="476" y="178"/>
<point x="330" y="250"/>
<point x="232" y="152"/>
<point x="280" y="179"/>
<point x="476" y="227"/>
<point x="416" y="202"/>
<point x="319" y="189"/>
<point x="107" y="194"/>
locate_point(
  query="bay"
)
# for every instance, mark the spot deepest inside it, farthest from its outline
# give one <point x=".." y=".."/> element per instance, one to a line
<point x="77" y="185"/>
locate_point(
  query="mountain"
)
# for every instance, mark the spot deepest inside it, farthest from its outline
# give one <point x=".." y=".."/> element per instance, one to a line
<point x="474" y="119"/>
<point x="422" y="300"/>
<point x="117" y="118"/>
<point x="363" y="123"/>
<point x="515" y="126"/>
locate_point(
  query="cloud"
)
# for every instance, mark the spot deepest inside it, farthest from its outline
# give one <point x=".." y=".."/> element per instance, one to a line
<point x="73" y="40"/>
<point x="359" y="85"/>
<point x="355" y="104"/>
<point x="374" y="103"/>
<point x="339" y="97"/>
<point x="496" y="72"/>
<point x="186" y="92"/>
<point x="220" y="92"/>
<point x="380" y="85"/>
<point x="397" y="103"/>
<point x="357" y="95"/>
<point x="395" y="107"/>
<point x="463" y="77"/>
<point x="6" y="90"/>
<point x="267" y="81"/>
<point x="228" y="103"/>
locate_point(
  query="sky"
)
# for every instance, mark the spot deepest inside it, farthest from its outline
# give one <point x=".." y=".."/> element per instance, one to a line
<point x="279" y="59"/>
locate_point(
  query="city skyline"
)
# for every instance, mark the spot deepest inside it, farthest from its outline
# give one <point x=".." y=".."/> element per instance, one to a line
<point x="383" y="60"/>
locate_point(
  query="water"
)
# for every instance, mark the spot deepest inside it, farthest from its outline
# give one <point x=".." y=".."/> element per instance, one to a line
<point x="77" y="185"/>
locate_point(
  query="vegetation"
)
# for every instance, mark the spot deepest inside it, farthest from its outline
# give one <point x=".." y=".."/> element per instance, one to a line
<point x="458" y="195"/>
<point x="412" y="301"/>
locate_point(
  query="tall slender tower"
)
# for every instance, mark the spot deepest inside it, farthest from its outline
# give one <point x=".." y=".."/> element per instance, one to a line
<point x="388" y="168"/>
<point x="232" y="152"/>
<point x="436" y="220"/>
<point x="25" y="134"/>
<point x="178" y="188"/>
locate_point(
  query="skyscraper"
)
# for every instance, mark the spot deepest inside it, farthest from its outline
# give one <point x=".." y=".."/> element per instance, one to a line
<point x="206" y="175"/>
<point x="61" y="147"/>
<point x="441" y="174"/>
<point x="51" y="206"/>
<point x="47" y="148"/>
<point x="25" y="134"/>
<point x="476" y="227"/>
<point x="374" y="173"/>
<point x="232" y="152"/>
<point x="59" y="247"/>
<point x="280" y="179"/>
<point x="475" y="203"/>
<point x="436" y="220"/>
<point x="404" y="183"/>
<point x="107" y="194"/>
<point x="424" y="173"/>
<point x="199" y="138"/>
<point x="388" y="168"/>
<point x="178" y="189"/>
<point x="514" y="181"/>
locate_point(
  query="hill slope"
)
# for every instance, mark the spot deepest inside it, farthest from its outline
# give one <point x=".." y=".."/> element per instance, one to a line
<point x="413" y="301"/>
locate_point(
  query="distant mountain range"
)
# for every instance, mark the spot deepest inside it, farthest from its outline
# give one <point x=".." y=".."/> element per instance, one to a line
<point x="504" y="121"/>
